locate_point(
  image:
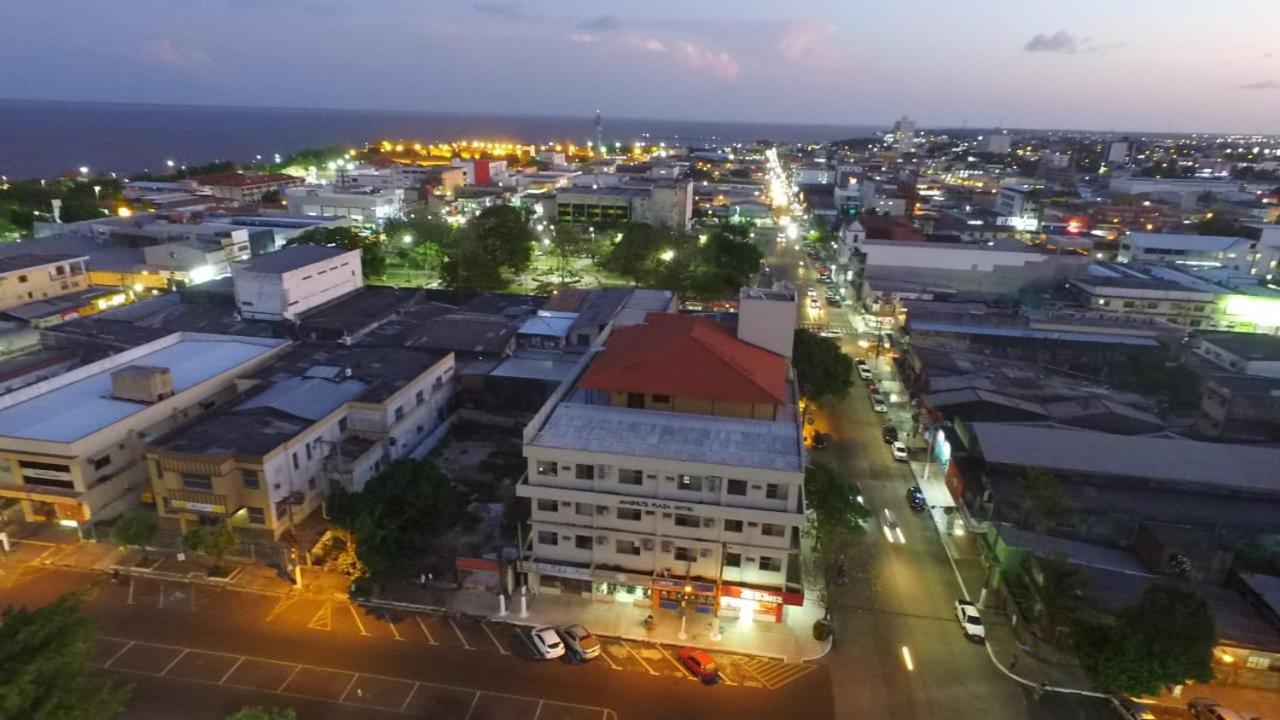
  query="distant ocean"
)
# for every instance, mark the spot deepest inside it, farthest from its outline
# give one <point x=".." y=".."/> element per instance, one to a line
<point x="45" y="139"/>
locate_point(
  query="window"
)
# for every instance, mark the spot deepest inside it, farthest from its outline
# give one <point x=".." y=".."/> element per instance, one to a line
<point x="770" y="564"/>
<point x="545" y="505"/>
<point x="308" y="449"/>
<point x="583" y="508"/>
<point x="689" y="482"/>
<point x="584" y="472"/>
<point x="737" y="487"/>
<point x="547" y="537"/>
<point x="662" y="399"/>
<point x="282" y="509"/>
<point x="629" y="514"/>
<point x="295" y="461"/>
<point x="1152" y="304"/>
<point x="732" y="559"/>
<point x="102" y="462"/>
<point x="22" y="278"/>
<point x="635" y="401"/>
<point x="311" y="483"/>
<point x="684" y="554"/>
<point x="732" y="525"/>
<point x="1130" y="304"/>
<point x="197" y="482"/>
<point x="419" y="397"/>
<point x="547" y="467"/>
<point x="630" y="477"/>
<point x="399" y="413"/>
<point x="691" y="521"/>
<point x="342" y="424"/>
<point x="774" y="491"/>
<point x="626" y="547"/>
<point x="582" y="542"/>
<point x="251" y="480"/>
<point x="257" y="515"/>
<point x="773" y="530"/>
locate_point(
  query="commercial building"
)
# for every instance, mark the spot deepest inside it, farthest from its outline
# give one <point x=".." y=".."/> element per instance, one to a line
<point x="1237" y="253"/>
<point x="665" y="204"/>
<point x="1019" y="206"/>
<point x="31" y="277"/>
<point x="319" y="416"/>
<point x="247" y="187"/>
<point x="1172" y="295"/>
<point x="986" y="269"/>
<point x="283" y="284"/>
<point x="669" y="472"/>
<point x="1244" y="353"/>
<point x="366" y="205"/>
<point x="997" y="143"/>
<point x="481" y="171"/>
<point x="72" y="446"/>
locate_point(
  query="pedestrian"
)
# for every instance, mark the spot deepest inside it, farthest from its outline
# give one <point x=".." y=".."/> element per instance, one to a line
<point x="422" y="580"/>
<point x="1013" y="663"/>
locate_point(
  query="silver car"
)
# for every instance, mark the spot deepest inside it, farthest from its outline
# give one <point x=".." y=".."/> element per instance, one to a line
<point x="582" y="644"/>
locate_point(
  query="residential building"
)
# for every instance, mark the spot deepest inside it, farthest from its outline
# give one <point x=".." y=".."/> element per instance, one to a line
<point x="1237" y="253"/>
<point x="72" y="446"/>
<point x="1118" y="152"/>
<point x="1239" y="407"/>
<point x="904" y="133"/>
<point x="481" y="171"/>
<point x="1245" y="353"/>
<point x="997" y="143"/>
<point x="1019" y="206"/>
<point x="318" y="416"/>
<point x="30" y="277"/>
<point x="245" y="187"/>
<point x="283" y="284"/>
<point x="370" y="206"/>
<point x="669" y="472"/>
<point x="813" y="174"/>
<point x="1176" y="296"/>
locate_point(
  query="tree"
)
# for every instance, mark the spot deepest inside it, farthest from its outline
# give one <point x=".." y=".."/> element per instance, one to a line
<point x="836" y="522"/>
<point x="399" y="517"/>
<point x="215" y="541"/>
<point x="1047" y="504"/>
<point x="136" y="528"/>
<point x="1167" y="638"/>
<point x="503" y="231"/>
<point x="722" y="265"/>
<point x="568" y="242"/>
<point x="45" y="659"/>
<point x="636" y="253"/>
<point x="466" y="265"/>
<point x="822" y="369"/>
<point x="373" y="253"/>
<point x="1059" y="594"/>
<point x="1216" y="225"/>
<point x="263" y="713"/>
<point x="271" y="197"/>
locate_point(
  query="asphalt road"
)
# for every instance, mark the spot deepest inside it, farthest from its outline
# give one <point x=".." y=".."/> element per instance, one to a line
<point x="901" y="596"/>
<point x="198" y="652"/>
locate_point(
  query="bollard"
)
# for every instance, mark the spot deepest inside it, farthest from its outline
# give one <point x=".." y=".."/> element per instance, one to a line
<point x="502" y="604"/>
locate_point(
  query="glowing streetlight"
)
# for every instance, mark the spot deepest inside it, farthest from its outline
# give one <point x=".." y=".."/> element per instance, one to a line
<point x="667" y="255"/>
<point x="407" y="239"/>
<point x="84" y="170"/>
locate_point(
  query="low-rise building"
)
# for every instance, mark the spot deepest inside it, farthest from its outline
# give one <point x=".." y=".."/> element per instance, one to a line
<point x="370" y="206"/>
<point x="30" y="277"/>
<point x="1177" y="296"/>
<point x="664" y="204"/>
<point x="283" y="284"/>
<point x="1244" y="353"/>
<point x="245" y="187"/>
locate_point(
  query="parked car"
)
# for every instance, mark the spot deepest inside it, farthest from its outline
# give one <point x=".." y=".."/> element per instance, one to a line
<point x="879" y="404"/>
<point x="1131" y="709"/>
<point x="970" y="621"/>
<point x="1203" y="708"/>
<point x="580" y="641"/>
<point x="700" y="663"/>
<point x="889" y="433"/>
<point x="833" y="302"/>
<point x="892" y="529"/>
<point x="831" y="331"/>
<point x="546" y="642"/>
<point x="864" y="372"/>
<point x="820" y="440"/>
<point x="915" y="498"/>
<point x="899" y="451"/>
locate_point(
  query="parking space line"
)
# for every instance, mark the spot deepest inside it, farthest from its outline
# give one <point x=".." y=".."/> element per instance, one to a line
<point x="409" y="697"/>
<point x="323" y="619"/>
<point x="284" y="604"/>
<point x="608" y="659"/>
<point x="355" y="615"/>
<point x="474" y="700"/>
<point x="289" y="679"/>
<point x="636" y="655"/>
<point x="752" y="671"/>
<point x="117" y="655"/>
<point x="673" y="660"/>
<point x="161" y="603"/>
<point x="392" y="625"/>
<point x="130" y="600"/>
<point x="494" y="639"/>
<point x="169" y="667"/>
<point x="349" y="686"/>
<point x="233" y="669"/>
<point x="465" y="644"/>
<point x="539" y="712"/>
<point x="425" y="631"/>
<point x="728" y="681"/>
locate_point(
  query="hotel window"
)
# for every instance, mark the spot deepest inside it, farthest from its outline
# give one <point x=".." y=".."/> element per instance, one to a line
<point x="584" y="472"/>
<point x="691" y="521"/>
<point x="684" y="554"/>
<point x="257" y="516"/>
<point x="626" y="547"/>
<point x="732" y="559"/>
<point x="251" y="480"/>
<point x="547" y="467"/>
<point x="689" y="482"/>
<point x="545" y="505"/>
<point x="582" y="542"/>
<point x="197" y="482"/>
<point x="547" y="537"/>
<point x="583" y="508"/>
<point x="630" y="477"/>
<point x="733" y="526"/>
<point x="737" y="487"/>
<point x="774" y="491"/>
<point x="772" y="530"/>
<point x="770" y="564"/>
<point x="629" y="514"/>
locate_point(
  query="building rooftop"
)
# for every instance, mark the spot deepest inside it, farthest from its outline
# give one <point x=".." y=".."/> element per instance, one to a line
<point x="640" y="303"/>
<point x="1173" y="241"/>
<point x="381" y="372"/>
<point x="291" y="258"/>
<point x="26" y="260"/>
<point x="621" y="191"/>
<point x="1249" y="346"/>
<point x="241" y="179"/>
<point x="549" y="323"/>
<point x="685" y="356"/>
<point x="253" y="432"/>
<point x="684" y="437"/>
<point x="78" y="403"/>
<point x="463" y="332"/>
<point x="1168" y="459"/>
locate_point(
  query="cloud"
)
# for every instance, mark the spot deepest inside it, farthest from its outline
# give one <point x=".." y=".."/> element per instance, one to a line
<point x="162" y="52"/>
<point x="646" y="42"/>
<point x="809" y="43"/>
<point x="716" y="62"/>
<point x="585" y="38"/>
<point x="502" y="10"/>
<point x="602" y="23"/>
<point x="1266" y="56"/>
<point x="690" y="54"/>
<point x="1059" y="42"/>
<point x="1260" y="85"/>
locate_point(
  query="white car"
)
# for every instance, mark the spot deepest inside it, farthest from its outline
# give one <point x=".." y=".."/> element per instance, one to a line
<point x="831" y="331"/>
<point x="892" y="530"/>
<point x="546" y="642"/>
<point x="899" y="451"/>
<point x="970" y="621"/>
<point x="878" y="404"/>
<point x="864" y="372"/>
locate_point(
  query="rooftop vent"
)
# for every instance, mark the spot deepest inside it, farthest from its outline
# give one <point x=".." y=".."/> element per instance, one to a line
<point x="142" y="383"/>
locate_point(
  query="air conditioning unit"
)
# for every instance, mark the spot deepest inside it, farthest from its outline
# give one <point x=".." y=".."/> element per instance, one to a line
<point x="667" y="546"/>
<point x="566" y="503"/>
<point x="646" y="544"/>
<point x="704" y="552"/>
<point x="602" y="470"/>
<point x="602" y="510"/>
<point x="752" y="524"/>
<point x="750" y="559"/>
<point x="651" y="476"/>
<point x="671" y="478"/>
<point x="708" y="522"/>
<point x="713" y="484"/>
<point x="602" y="539"/>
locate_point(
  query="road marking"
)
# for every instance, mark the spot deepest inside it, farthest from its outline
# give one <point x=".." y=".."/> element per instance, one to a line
<point x="161" y="594"/>
<point x="392" y="625"/>
<point x="409" y="697"/>
<point x="349" y="686"/>
<point x="323" y="619"/>
<point x="233" y="669"/>
<point x="604" y="654"/>
<point x="474" y="700"/>
<point x="169" y="667"/>
<point x="289" y="679"/>
<point x="425" y="631"/>
<point x="465" y="644"/>
<point x="539" y="712"/>
<point x="906" y="659"/>
<point x="284" y="604"/>
<point x="494" y="639"/>
<point x="673" y="660"/>
<point x="117" y="655"/>
<point x="355" y="615"/>
<point x="726" y="678"/>
<point x="130" y="600"/>
<point x="637" y="657"/>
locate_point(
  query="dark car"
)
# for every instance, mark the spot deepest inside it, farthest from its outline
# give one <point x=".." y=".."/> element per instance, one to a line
<point x="820" y="440"/>
<point x="889" y="433"/>
<point x="832" y="302"/>
<point x="915" y="498"/>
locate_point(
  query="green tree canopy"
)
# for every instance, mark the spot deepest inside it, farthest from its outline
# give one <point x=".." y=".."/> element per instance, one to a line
<point x="836" y="523"/>
<point x="213" y="540"/>
<point x="1166" y="639"/>
<point x="373" y="251"/>
<point x="397" y="519"/>
<point x="1047" y="504"/>
<point x="44" y="666"/>
<point x="135" y="528"/>
<point x="636" y="254"/>
<point x="822" y="368"/>
<point x="495" y="245"/>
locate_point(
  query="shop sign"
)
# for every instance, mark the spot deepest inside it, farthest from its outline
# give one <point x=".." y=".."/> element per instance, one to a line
<point x="679" y="585"/>
<point x="652" y="505"/>
<point x="758" y="595"/>
<point x="45" y="474"/>
<point x="477" y="564"/>
<point x="197" y="506"/>
<point x="565" y="571"/>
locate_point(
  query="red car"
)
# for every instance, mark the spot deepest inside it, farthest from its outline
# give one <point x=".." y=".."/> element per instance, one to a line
<point x="701" y="664"/>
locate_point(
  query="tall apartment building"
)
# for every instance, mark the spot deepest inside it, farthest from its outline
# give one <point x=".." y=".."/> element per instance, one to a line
<point x="670" y="472"/>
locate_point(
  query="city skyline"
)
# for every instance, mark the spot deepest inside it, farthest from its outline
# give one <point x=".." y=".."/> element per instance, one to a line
<point x="1091" y="67"/>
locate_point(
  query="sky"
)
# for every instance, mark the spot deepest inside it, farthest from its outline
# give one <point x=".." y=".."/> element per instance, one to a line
<point x="1152" y="65"/>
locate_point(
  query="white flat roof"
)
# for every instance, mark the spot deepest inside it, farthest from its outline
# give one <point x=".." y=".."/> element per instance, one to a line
<point x="1174" y="241"/>
<point x="79" y="403"/>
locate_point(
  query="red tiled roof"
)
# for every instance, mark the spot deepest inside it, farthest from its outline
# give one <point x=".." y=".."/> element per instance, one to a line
<point x="240" y="179"/>
<point x="690" y="357"/>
